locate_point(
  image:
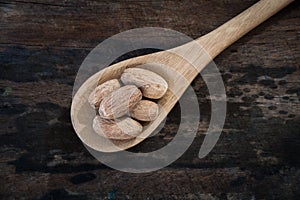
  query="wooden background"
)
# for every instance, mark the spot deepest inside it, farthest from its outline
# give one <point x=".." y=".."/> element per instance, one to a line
<point x="42" y="44"/>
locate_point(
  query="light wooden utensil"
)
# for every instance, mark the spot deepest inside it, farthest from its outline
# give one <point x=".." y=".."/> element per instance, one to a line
<point x="171" y="66"/>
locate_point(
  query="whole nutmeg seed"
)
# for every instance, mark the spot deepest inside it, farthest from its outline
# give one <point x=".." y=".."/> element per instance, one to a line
<point x="120" y="129"/>
<point x="119" y="102"/>
<point x="101" y="91"/>
<point x="151" y="84"/>
<point x="145" y="110"/>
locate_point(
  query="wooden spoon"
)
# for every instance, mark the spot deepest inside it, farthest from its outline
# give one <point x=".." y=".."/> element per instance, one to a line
<point x="173" y="67"/>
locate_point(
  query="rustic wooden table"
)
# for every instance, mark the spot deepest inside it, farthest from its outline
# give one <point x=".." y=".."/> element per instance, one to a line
<point x="42" y="44"/>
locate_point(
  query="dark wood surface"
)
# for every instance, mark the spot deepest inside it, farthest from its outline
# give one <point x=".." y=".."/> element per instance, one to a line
<point x="42" y="44"/>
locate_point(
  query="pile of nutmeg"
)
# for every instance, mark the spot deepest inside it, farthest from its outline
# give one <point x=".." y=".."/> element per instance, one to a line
<point x="121" y="106"/>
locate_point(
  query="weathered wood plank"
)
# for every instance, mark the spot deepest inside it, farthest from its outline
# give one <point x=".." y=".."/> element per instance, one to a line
<point x="42" y="44"/>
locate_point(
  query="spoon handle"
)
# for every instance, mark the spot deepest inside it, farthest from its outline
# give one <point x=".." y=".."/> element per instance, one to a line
<point x="222" y="37"/>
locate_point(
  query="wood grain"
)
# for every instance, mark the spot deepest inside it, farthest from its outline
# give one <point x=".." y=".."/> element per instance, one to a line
<point x="42" y="44"/>
<point x="218" y="40"/>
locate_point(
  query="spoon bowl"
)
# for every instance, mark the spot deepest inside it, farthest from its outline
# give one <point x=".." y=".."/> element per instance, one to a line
<point x="174" y="69"/>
